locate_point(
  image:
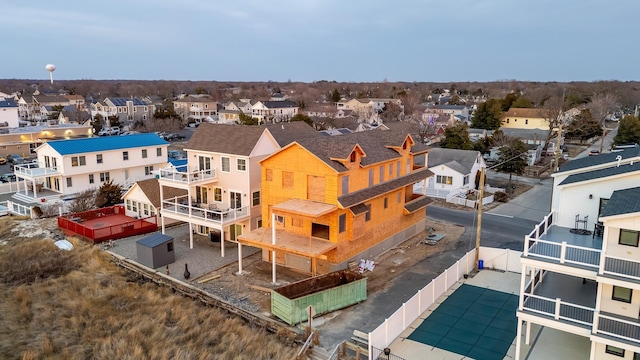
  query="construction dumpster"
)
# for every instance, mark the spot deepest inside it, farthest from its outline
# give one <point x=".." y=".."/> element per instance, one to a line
<point x="325" y="293"/>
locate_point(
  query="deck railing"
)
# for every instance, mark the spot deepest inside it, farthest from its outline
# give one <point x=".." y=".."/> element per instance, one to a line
<point x="180" y="206"/>
<point x="558" y="309"/>
<point x="181" y="175"/>
<point x="621" y="267"/>
<point x="617" y="327"/>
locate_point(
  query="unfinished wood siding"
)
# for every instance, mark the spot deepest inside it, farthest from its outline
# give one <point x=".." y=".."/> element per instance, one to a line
<point x="315" y="188"/>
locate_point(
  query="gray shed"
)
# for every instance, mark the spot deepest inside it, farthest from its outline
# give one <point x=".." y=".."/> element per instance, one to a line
<point x="155" y="250"/>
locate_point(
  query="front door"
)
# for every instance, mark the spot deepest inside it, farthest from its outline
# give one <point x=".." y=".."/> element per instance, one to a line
<point x="235" y="230"/>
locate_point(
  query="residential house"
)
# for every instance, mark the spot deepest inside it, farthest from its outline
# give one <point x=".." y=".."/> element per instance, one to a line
<point x="197" y="108"/>
<point x="228" y="116"/>
<point x="222" y="177"/>
<point x="29" y="106"/>
<point x="274" y="111"/>
<point x="68" y="167"/>
<point x="526" y="118"/>
<point x="128" y="110"/>
<point x="366" y="109"/>
<point x="143" y="199"/>
<point x="72" y="114"/>
<point x="581" y="264"/>
<point x="244" y="106"/>
<point x="327" y="201"/>
<point x="454" y="171"/>
<point x="535" y="137"/>
<point x="9" y="117"/>
<point x="24" y="140"/>
<point x="459" y="112"/>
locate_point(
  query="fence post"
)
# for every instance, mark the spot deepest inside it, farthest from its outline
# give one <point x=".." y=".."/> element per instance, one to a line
<point x="563" y="252"/>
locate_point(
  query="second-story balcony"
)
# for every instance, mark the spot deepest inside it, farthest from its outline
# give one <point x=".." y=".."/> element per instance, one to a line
<point x="179" y="208"/>
<point x="32" y="171"/>
<point x="559" y="245"/>
<point x="181" y="176"/>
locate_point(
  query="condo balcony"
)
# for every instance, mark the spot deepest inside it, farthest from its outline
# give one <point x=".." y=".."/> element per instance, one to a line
<point x="181" y="176"/>
<point x="179" y="208"/>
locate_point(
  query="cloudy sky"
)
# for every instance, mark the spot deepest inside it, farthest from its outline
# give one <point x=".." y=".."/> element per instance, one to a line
<point x="310" y="40"/>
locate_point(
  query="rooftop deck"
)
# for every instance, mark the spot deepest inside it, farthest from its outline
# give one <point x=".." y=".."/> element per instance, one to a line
<point x="181" y="176"/>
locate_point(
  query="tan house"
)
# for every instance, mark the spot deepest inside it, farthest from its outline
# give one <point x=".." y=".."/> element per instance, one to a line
<point x="198" y="108"/>
<point x="526" y="118"/>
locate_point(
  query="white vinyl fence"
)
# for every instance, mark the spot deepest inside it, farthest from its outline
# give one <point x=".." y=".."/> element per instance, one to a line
<point x="392" y="327"/>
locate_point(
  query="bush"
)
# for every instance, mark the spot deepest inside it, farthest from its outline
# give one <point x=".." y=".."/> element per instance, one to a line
<point x="501" y="196"/>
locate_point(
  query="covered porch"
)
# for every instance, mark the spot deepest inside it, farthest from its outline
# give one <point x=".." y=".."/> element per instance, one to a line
<point x="36" y="182"/>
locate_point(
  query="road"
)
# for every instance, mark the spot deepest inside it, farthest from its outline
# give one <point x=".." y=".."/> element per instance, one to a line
<point x="498" y="231"/>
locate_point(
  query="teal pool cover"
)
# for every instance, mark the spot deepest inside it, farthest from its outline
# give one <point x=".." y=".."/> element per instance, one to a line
<point x="475" y="322"/>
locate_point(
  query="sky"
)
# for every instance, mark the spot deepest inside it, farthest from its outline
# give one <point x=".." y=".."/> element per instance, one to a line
<point x="313" y="40"/>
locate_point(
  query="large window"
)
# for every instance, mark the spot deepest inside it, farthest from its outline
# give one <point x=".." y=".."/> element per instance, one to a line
<point x="287" y="180"/>
<point x="158" y="151"/>
<point x="99" y="158"/>
<point x="217" y="194"/>
<point x="104" y="176"/>
<point x="144" y="153"/>
<point x="225" y="164"/>
<point x="90" y="178"/>
<point x="255" y="198"/>
<point x="148" y="170"/>
<point x="628" y="237"/>
<point x="465" y="180"/>
<point x="69" y="183"/>
<point x="370" y="177"/>
<point x="621" y="294"/>
<point x="448" y="180"/>
<point x="78" y="161"/>
<point x="613" y="350"/>
<point x="345" y="185"/>
<point x="382" y="173"/>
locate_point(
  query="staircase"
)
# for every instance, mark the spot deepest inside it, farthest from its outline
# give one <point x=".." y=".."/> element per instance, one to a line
<point x="318" y="353"/>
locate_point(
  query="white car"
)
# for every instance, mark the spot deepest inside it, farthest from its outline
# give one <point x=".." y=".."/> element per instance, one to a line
<point x="114" y="131"/>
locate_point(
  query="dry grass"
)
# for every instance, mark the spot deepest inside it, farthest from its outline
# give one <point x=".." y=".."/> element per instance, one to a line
<point x="56" y="304"/>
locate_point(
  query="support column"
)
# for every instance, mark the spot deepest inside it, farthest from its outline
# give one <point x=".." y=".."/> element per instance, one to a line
<point x="523" y="281"/>
<point x="518" y="339"/>
<point x="35" y="190"/>
<point x="191" y="231"/>
<point x="222" y="242"/>
<point x="273" y="253"/>
<point x="239" y="259"/>
<point x="527" y="335"/>
<point x="159" y="211"/>
<point x="592" y="353"/>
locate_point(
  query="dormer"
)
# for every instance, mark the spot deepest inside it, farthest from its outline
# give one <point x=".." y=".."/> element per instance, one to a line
<point x="406" y="146"/>
<point x="354" y="158"/>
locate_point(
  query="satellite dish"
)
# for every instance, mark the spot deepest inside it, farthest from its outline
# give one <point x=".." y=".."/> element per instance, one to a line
<point x="50" y="68"/>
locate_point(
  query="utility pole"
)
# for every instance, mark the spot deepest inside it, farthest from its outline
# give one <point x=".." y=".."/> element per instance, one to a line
<point x="479" y="228"/>
<point x="558" y="150"/>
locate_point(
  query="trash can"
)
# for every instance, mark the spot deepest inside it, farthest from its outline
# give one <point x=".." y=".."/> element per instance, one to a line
<point x="480" y="264"/>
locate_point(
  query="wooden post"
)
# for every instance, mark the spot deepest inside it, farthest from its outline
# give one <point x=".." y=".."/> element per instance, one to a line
<point x="479" y="228"/>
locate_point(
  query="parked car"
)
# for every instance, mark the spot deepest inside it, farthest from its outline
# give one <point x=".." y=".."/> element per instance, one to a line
<point x="3" y="160"/>
<point x="594" y="153"/>
<point x="114" y="131"/>
<point x="174" y="137"/>
<point x="15" y="159"/>
<point x="176" y="155"/>
<point x="103" y="132"/>
<point x="8" y="177"/>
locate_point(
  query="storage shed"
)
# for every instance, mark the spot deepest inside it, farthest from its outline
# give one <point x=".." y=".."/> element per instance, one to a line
<point x="155" y="250"/>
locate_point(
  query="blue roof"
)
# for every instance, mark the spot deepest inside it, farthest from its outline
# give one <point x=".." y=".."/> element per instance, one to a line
<point x="180" y="165"/>
<point x="154" y="240"/>
<point x="105" y="143"/>
<point x="123" y="101"/>
<point x="7" y="103"/>
<point x="626" y="201"/>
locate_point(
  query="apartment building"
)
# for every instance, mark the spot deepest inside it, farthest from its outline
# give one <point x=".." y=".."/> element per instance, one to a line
<point x="581" y="264"/>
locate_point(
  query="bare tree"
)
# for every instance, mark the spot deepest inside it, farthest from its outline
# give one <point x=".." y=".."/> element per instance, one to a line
<point x="552" y="114"/>
<point x="601" y="105"/>
<point x="85" y="201"/>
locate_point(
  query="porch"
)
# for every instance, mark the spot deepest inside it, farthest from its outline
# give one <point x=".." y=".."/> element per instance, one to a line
<point x="182" y="176"/>
<point x="180" y="208"/>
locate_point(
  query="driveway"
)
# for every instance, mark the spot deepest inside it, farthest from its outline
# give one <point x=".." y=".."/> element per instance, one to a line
<point x="531" y="205"/>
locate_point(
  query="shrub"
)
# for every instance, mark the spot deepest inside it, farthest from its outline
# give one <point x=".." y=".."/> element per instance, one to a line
<point x="501" y="196"/>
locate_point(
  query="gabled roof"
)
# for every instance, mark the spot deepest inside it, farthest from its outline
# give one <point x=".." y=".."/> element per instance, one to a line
<point x="286" y="133"/>
<point x="226" y="139"/>
<point x="279" y="104"/>
<point x="625" y="201"/>
<point x="533" y="113"/>
<point x="7" y="103"/>
<point x="123" y="101"/>
<point x="601" y="173"/>
<point x="601" y="159"/>
<point x="188" y="99"/>
<point x="527" y="134"/>
<point x="151" y="189"/>
<point x="56" y="99"/>
<point x="105" y="143"/>
<point x="461" y="161"/>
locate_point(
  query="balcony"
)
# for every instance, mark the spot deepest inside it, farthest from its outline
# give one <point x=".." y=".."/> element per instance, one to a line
<point x="178" y="208"/>
<point x="34" y="171"/>
<point x="617" y="326"/>
<point x="181" y="176"/>
<point x="621" y="268"/>
<point x="555" y="244"/>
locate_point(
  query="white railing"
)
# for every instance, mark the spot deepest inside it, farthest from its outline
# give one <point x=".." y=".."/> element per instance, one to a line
<point x="617" y="327"/>
<point x="469" y="203"/>
<point x="542" y="227"/>
<point x="563" y="252"/>
<point x="34" y="170"/>
<point x="9" y="187"/>
<point x="19" y="209"/>
<point x="180" y="206"/>
<point x="438" y="193"/>
<point x="558" y="309"/>
<point x="186" y="176"/>
<point x="624" y="267"/>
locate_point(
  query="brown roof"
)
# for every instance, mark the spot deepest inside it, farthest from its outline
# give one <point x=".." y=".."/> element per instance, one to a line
<point x="365" y="194"/>
<point x="417" y="204"/>
<point x="227" y="139"/>
<point x="151" y="189"/>
<point x="526" y="112"/>
<point x="286" y="133"/>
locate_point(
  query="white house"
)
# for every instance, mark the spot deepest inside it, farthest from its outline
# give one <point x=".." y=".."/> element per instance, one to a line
<point x="9" y="117"/>
<point x="222" y="177"/>
<point x="274" y="111"/>
<point x="68" y="167"/>
<point x="581" y="264"/>
<point x="454" y="170"/>
<point x="143" y="199"/>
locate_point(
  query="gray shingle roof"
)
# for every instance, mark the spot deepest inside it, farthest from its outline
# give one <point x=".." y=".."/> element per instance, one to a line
<point x="417" y="204"/>
<point x="151" y="189"/>
<point x="625" y="201"/>
<point x="602" y="173"/>
<point x="450" y="157"/>
<point x="286" y="133"/>
<point x="598" y="160"/>
<point x="360" y="196"/>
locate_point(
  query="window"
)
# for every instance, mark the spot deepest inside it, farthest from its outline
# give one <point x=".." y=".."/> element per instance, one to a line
<point x="465" y="180"/>
<point x="99" y="158"/>
<point x="170" y="246"/>
<point x="408" y="166"/>
<point x="370" y="177"/>
<point x="287" y="180"/>
<point x="90" y="178"/>
<point x="398" y="169"/>
<point x="614" y="350"/>
<point x="78" y="161"/>
<point x="440" y="179"/>
<point x="390" y="170"/>
<point x="158" y="151"/>
<point x="128" y="204"/>
<point x="217" y="194"/>
<point x="144" y="153"/>
<point x="125" y="155"/>
<point x="225" y="164"/>
<point x="636" y="356"/>
<point x="628" y="237"/>
<point x="146" y="209"/>
<point x="352" y="157"/>
<point x="69" y="184"/>
<point x="367" y="215"/>
<point x="83" y="161"/>
<point x="148" y="170"/>
<point x="345" y="185"/>
<point x="399" y="197"/>
<point x="241" y="164"/>
<point x="507" y="120"/>
<point x="342" y="223"/>
<point x="621" y="294"/>
<point x="255" y="198"/>
<point x="603" y="203"/>
<point x="104" y="176"/>
<point x="382" y="173"/>
<point x="134" y="206"/>
<point x="386" y="203"/>
<point x="269" y="174"/>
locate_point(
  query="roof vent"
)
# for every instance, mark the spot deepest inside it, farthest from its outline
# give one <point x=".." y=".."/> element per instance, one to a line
<point x="619" y="158"/>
